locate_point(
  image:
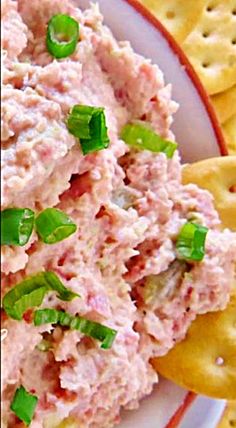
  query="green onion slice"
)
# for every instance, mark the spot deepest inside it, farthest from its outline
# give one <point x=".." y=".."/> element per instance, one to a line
<point x="24" y="404"/>
<point x="54" y="225"/>
<point x="191" y="241"/>
<point x="92" y="329"/>
<point x="62" y="36"/>
<point x="89" y="125"/>
<point x="141" y="136"/>
<point x="16" y="226"/>
<point x="30" y="293"/>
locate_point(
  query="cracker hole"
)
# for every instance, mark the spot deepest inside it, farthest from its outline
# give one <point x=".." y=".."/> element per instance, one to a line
<point x="170" y="14"/>
<point x="219" y="361"/>
<point x="233" y="42"/>
<point x="232" y="189"/>
<point x="205" y="34"/>
<point x="209" y="8"/>
<point x="232" y="423"/>
<point x="234" y="12"/>
<point x="205" y="64"/>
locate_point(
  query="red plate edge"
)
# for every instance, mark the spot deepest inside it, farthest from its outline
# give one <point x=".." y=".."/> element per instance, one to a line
<point x="180" y="412"/>
<point x="189" y="70"/>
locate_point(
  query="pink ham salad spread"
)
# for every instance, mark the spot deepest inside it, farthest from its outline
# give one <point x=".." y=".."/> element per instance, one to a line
<point x="128" y="206"/>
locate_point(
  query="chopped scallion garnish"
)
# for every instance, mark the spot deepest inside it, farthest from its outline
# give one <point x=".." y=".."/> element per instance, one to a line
<point x="62" y="36"/>
<point x="191" y="241"/>
<point x="89" y="125"/>
<point x="53" y="225"/>
<point x="143" y="137"/>
<point x="24" y="404"/>
<point x="30" y="293"/>
<point x="16" y="226"/>
<point x="92" y="329"/>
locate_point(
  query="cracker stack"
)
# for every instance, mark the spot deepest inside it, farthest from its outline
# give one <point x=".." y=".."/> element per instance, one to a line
<point x="206" y="30"/>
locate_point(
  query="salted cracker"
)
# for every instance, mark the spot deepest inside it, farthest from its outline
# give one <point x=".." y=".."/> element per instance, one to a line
<point x="178" y="16"/>
<point x="218" y="175"/>
<point x="211" y="46"/>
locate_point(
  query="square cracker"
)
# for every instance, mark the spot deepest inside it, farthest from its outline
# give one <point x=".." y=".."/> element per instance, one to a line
<point x="218" y="176"/>
<point x="211" y="46"/>
<point x="178" y="16"/>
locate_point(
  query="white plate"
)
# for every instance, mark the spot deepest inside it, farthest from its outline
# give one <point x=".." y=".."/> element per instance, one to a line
<point x="155" y="411"/>
<point x="199" y="136"/>
<point x="204" y="413"/>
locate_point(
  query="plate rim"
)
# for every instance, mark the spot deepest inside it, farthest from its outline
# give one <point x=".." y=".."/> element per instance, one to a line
<point x="177" y="417"/>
